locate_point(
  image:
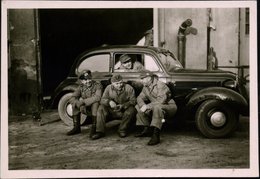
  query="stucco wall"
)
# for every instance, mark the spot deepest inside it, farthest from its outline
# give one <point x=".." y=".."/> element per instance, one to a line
<point x="196" y="45"/>
<point x="244" y="41"/>
<point x="224" y="39"/>
<point x="22" y="62"/>
<point x="226" y="36"/>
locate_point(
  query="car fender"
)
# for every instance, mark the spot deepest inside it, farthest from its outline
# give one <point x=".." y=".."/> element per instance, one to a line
<point x="67" y="89"/>
<point x="224" y="94"/>
<point x="70" y="88"/>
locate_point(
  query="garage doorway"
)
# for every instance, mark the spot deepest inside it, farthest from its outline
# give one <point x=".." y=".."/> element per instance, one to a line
<point x="65" y="33"/>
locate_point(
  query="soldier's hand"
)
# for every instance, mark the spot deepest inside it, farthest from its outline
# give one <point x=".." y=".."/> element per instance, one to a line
<point x="118" y="107"/>
<point x="144" y="108"/>
<point x="83" y="109"/>
<point x="112" y="104"/>
<point x="79" y="103"/>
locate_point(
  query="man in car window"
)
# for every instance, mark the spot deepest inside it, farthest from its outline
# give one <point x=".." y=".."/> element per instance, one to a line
<point x="85" y="100"/>
<point x="154" y="106"/>
<point x="128" y="64"/>
<point x="118" y="101"/>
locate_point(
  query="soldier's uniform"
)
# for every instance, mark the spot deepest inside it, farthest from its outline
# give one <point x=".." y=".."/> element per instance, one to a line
<point x="85" y="100"/>
<point x="125" y="98"/>
<point x="157" y="97"/>
<point x="136" y="65"/>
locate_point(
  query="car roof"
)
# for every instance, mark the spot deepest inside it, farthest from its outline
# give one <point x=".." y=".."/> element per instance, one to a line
<point x="114" y="48"/>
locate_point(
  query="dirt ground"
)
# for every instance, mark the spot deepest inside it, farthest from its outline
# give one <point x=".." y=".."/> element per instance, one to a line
<point x="45" y="146"/>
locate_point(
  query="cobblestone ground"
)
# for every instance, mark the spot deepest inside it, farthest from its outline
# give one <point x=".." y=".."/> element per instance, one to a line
<point x="45" y="146"/>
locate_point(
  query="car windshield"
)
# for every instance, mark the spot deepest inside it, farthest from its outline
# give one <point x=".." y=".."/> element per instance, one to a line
<point x="170" y="62"/>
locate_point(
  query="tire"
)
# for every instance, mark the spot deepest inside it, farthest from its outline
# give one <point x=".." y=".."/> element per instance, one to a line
<point x="65" y="111"/>
<point x="215" y="119"/>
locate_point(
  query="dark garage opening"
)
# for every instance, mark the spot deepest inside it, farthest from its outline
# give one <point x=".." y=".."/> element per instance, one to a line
<point x="65" y="33"/>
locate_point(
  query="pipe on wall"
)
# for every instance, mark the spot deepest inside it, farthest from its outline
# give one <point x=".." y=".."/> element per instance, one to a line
<point x="184" y="29"/>
<point x="38" y="61"/>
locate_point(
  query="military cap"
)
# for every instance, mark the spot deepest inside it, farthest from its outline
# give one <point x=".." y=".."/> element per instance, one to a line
<point x="85" y="75"/>
<point x="116" y="78"/>
<point x="124" y="58"/>
<point x="146" y="73"/>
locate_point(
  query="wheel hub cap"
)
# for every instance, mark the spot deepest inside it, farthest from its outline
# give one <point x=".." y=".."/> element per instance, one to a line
<point x="218" y="119"/>
<point x="69" y="109"/>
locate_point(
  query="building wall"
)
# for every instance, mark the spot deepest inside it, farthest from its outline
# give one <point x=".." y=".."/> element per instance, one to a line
<point x="169" y="21"/>
<point x="244" y="40"/>
<point x="229" y="30"/>
<point x="225" y="39"/>
<point x="22" y="78"/>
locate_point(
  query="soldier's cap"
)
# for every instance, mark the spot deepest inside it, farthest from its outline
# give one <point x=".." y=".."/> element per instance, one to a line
<point x="116" y="78"/>
<point x="85" y="75"/>
<point x="124" y="58"/>
<point x="146" y="73"/>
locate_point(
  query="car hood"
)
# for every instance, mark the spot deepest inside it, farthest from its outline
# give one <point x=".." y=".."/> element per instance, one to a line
<point x="201" y="72"/>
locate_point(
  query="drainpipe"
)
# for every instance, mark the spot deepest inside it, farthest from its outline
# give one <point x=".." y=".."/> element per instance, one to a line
<point x="212" y="62"/>
<point x="37" y="113"/>
<point x="184" y="29"/>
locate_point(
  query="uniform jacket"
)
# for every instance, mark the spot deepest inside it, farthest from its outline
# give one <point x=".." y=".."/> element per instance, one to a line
<point x="137" y="66"/>
<point x="156" y="93"/>
<point x="125" y="97"/>
<point x="89" y="95"/>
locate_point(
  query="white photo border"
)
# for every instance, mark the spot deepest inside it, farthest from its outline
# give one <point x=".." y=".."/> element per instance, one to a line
<point x="253" y="171"/>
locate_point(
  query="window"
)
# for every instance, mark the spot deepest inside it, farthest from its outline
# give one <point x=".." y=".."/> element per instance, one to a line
<point x="169" y="62"/>
<point x="150" y="64"/>
<point x="99" y="63"/>
<point x="134" y="64"/>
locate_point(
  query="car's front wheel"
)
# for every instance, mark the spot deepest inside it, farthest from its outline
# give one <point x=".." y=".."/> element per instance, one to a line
<point x="65" y="110"/>
<point x="215" y="119"/>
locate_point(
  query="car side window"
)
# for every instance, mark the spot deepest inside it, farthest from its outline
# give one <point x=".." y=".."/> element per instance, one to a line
<point x="94" y="63"/>
<point x="150" y="64"/>
<point x="136" y="62"/>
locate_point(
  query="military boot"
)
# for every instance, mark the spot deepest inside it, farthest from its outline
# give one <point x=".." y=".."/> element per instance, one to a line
<point x="155" y="139"/>
<point x="144" y="133"/>
<point x="76" y="125"/>
<point x="97" y="135"/>
<point x="93" y="126"/>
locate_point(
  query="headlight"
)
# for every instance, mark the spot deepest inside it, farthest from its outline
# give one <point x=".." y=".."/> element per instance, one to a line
<point x="230" y="84"/>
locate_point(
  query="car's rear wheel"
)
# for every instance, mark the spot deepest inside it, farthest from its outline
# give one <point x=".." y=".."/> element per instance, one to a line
<point x="215" y="119"/>
<point x="65" y="110"/>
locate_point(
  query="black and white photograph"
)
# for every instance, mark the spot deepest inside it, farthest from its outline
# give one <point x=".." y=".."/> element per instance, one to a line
<point x="129" y="89"/>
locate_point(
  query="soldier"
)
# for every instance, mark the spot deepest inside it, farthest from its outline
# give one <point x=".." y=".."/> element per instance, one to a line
<point x="128" y="64"/>
<point x="85" y="100"/>
<point x="154" y="101"/>
<point x="118" y="101"/>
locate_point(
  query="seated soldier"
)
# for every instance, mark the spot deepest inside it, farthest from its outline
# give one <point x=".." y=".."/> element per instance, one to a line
<point x="85" y="98"/>
<point x="128" y="64"/>
<point x="118" y="101"/>
<point x="154" y="106"/>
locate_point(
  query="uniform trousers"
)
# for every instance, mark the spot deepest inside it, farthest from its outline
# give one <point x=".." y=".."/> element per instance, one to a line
<point x="154" y="116"/>
<point x="89" y="110"/>
<point x="104" y="112"/>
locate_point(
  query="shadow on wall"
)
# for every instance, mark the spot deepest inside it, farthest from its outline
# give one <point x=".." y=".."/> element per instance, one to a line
<point x="22" y="88"/>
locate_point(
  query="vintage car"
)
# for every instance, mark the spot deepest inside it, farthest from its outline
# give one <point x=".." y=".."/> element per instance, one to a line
<point x="214" y="99"/>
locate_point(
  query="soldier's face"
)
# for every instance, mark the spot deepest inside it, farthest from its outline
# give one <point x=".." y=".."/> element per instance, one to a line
<point x="87" y="82"/>
<point x="127" y="65"/>
<point x="118" y="85"/>
<point x="147" y="80"/>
